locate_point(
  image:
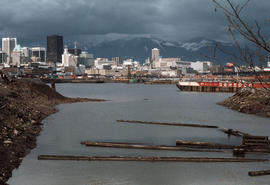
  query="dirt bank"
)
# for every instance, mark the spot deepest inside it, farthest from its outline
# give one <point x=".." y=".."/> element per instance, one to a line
<point x="251" y="101"/>
<point x="23" y="105"/>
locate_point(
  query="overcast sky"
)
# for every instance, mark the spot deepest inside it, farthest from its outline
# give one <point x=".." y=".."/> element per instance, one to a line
<point x="97" y="19"/>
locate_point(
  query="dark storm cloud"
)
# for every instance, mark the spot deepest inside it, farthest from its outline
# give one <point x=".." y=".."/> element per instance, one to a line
<point x="174" y="19"/>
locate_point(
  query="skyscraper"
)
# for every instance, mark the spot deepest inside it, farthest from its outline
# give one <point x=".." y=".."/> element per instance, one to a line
<point x="155" y="55"/>
<point x="8" y="45"/>
<point x="54" y="48"/>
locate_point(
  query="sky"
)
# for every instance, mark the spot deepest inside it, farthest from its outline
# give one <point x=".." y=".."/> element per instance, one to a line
<point x="175" y="20"/>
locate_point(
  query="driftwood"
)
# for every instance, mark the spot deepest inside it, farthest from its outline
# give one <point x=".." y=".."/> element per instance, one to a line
<point x="259" y="173"/>
<point x="167" y="124"/>
<point x="193" y="144"/>
<point x="150" y="159"/>
<point x="233" y="132"/>
<point x="146" y="147"/>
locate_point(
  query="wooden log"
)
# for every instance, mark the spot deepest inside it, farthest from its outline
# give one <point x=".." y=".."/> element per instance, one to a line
<point x="196" y="144"/>
<point x="233" y="132"/>
<point x="147" y="147"/>
<point x="259" y="173"/>
<point x="256" y="137"/>
<point x="150" y="159"/>
<point x="167" y="124"/>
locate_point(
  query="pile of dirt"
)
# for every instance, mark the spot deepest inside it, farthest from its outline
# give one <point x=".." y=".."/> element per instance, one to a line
<point x="251" y="101"/>
<point x="23" y="105"/>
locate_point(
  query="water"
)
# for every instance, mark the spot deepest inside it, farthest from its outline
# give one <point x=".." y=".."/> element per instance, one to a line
<point x="74" y="123"/>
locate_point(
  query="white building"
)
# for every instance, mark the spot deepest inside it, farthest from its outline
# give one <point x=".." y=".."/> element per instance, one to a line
<point x="69" y="60"/>
<point x="8" y="45"/>
<point x="167" y="63"/>
<point x="100" y="62"/>
<point x="201" y="66"/>
<point x="268" y="64"/>
<point x="155" y="55"/>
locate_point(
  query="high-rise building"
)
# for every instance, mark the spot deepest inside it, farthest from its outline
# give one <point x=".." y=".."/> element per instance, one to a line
<point x="39" y="52"/>
<point x="54" y="48"/>
<point x="8" y="45"/>
<point x="155" y="55"/>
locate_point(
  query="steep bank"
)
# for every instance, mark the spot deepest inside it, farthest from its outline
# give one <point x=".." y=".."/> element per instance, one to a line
<point x="251" y="101"/>
<point x="23" y="105"/>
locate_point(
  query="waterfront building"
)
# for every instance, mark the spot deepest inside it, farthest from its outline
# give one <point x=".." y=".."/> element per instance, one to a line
<point x="54" y="49"/>
<point x="99" y="62"/>
<point x="202" y="66"/>
<point x="39" y="52"/>
<point x="69" y="60"/>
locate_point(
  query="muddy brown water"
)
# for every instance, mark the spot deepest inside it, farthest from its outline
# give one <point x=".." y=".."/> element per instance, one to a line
<point x="78" y="122"/>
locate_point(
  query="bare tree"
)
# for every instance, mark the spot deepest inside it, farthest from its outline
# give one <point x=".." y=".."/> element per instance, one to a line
<point x="252" y="32"/>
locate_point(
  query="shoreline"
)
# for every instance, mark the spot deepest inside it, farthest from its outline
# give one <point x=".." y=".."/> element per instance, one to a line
<point x="23" y="106"/>
<point x="250" y="101"/>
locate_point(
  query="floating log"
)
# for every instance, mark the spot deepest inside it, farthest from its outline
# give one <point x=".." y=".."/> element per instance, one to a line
<point x="150" y="159"/>
<point x="203" y="145"/>
<point x="233" y="132"/>
<point x="259" y="173"/>
<point x="146" y="147"/>
<point x="167" y="124"/>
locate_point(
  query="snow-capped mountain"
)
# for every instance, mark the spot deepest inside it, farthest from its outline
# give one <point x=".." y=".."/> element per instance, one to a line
<point x="140" y="49"/>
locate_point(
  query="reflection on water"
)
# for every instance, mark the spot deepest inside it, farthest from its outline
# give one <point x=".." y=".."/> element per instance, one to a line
<point x="74" y="123"/>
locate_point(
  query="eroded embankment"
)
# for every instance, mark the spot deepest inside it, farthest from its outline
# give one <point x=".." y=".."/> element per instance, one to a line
<point x="23" y="105"/>
<point x="251" y="101"/>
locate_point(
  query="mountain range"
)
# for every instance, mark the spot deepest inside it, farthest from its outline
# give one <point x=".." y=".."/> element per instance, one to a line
<point x="140" y="48"/>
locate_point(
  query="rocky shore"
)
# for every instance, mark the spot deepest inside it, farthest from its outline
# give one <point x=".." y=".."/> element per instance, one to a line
<point x="23" y="105"/>
<point x="251" y="101"/>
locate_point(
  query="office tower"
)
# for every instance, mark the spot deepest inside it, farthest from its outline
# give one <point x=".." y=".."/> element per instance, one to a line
<point x="155" y="55"/>
<point x="8" y="44"/>
<point x="54" y="48"/>
<point x="39" y="52"/>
